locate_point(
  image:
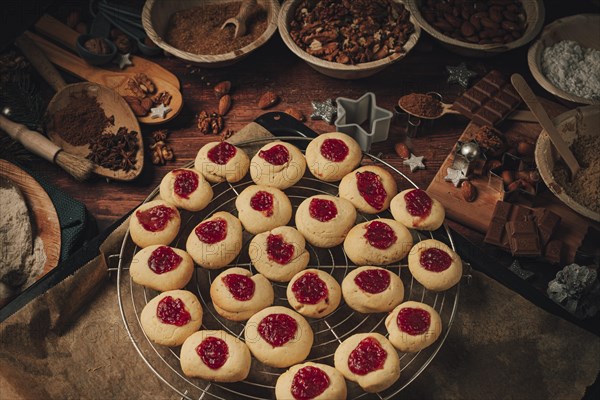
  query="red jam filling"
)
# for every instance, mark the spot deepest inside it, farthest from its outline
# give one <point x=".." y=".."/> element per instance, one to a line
<point x="334" y="150"/>
<point x="309" y="289"/>
<point x="213" y="352"/>
<point x="172" y="311"/>
<point x="371" y="189"/>
<point x="222" y="153"/>
<point x="309" y="382"/>
<point x="156" y="218"/>
<point x="373" y="280"/>
<point x="414" y="321"/>
<point x="367" y="357"/>
<point x="380" y="235"/>
<point x="322" y="210"/>
<point x="186" y="182"/>
<point x="435" y="260"/>
<point x="418" y="203"/>
<point x="279" y="250"/>
<point x="163" y="259"/>
<point x="262" y="201"/>
<point x="240" y="286"/>
<point x="276" y="155"/>
<point x="211" y="232"/>
<point x="277" y="329"/>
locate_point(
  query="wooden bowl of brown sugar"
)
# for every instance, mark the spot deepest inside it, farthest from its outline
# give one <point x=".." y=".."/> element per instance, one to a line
<point x="580" y="128"/>
<point x="191" y="29"/>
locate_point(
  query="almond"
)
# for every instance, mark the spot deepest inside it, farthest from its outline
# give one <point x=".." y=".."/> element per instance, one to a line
<point x="73" y="19"/>
<point x="224" y="104"/>
<point x="469" y="192"/>
<point x="147" y="103"/>
<point x="295" y="113"/>
<point x="222" y="88"/>
<point x="136" y="106"/>
<point x="267" y="100"/>
<point x="402" y="150"/>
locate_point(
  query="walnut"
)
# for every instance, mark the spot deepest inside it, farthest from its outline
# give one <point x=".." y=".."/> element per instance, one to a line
<point x="210" y="123"/>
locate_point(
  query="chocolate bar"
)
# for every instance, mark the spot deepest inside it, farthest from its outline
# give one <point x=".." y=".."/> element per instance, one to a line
<point x="523" y="238"/>
<point x="489" y="101"/>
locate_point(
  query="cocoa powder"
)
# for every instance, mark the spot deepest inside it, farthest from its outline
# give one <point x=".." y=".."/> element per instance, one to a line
<point x="81" y="120"/>
<point x="422" y="105"/>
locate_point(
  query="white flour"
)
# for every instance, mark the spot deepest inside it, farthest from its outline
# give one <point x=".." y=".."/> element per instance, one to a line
<point x="572" y="68"/>
<point x="22" y="256"/>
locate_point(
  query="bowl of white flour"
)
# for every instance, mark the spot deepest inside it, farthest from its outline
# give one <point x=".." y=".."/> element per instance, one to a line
<point x="565" y="60"/>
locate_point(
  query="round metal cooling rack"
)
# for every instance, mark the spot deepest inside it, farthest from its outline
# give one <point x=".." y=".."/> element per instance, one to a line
<point x="328" y="331"/>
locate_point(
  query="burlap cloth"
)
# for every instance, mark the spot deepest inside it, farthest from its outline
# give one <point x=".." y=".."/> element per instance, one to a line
<point x="500" y="347"/>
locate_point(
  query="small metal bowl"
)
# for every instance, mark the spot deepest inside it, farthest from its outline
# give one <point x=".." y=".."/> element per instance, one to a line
<point x="94" y="58"/>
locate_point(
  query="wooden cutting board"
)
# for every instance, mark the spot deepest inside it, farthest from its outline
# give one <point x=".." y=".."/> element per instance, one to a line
<point x="478" y="214"/>
<point x="44" y="219"/>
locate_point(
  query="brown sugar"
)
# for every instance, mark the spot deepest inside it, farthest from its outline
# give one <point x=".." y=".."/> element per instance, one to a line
<point x="198" y="30"/>
<point x="585" y="187"/>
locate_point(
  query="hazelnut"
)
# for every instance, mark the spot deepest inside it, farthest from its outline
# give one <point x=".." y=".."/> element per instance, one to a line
<point x="82" y="28"/>
<point x="508" y="177"/>
<point x="525" y="149"/>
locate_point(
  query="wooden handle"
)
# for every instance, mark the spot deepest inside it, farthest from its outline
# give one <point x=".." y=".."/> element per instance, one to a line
<point x="53" y="28"/>
<point x="33" y="141"/>
<point x="40" y="62"/>
<point x="64" y="59"/>
<point x="540" y="113"/>
<point x="245" y="10"/>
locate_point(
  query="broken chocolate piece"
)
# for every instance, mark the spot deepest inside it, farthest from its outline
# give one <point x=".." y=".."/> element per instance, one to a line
<point x="523" y="238"/>
<point x="547" y="222"/>
<point x="553" y="251"/>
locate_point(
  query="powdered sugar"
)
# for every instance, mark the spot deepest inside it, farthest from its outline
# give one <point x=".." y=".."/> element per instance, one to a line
<point x="573" y="68"/>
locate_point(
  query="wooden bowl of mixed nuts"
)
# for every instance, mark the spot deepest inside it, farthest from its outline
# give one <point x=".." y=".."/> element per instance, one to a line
<point x="351" y="39"/>
<point x="479" y="28"/>
<point x="191" y="29"/>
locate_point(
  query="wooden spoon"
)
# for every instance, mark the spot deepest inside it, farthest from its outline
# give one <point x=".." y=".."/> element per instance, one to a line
<point x="111" y="103"/>
<point x="540" y="113"/>
<point x="517" y="115"/>
<point x="116" y="80"/>
<point x="239" y="21"/>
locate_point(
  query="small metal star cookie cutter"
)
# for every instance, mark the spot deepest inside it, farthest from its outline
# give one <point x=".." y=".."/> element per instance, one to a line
<point x="415" y="125"/>
<point x="351" y="114"/>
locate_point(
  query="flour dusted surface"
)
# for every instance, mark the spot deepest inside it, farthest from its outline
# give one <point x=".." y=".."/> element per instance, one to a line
<point x="573" y="68"/>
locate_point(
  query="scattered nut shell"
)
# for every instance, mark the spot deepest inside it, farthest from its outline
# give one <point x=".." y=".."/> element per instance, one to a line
<point x="222" y="88"/>
<point x="295" y="113"/>
<point x="469" y="192"/>
<point x="402" y="150"/>
<point x="224" y="104"/>
<point x="267" y="100"/>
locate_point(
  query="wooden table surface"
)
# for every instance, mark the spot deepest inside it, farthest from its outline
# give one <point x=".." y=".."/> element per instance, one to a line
<point x="274" y="67"/>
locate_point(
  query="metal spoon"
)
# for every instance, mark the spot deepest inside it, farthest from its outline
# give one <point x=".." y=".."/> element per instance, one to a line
<point x="239" y="21"/>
